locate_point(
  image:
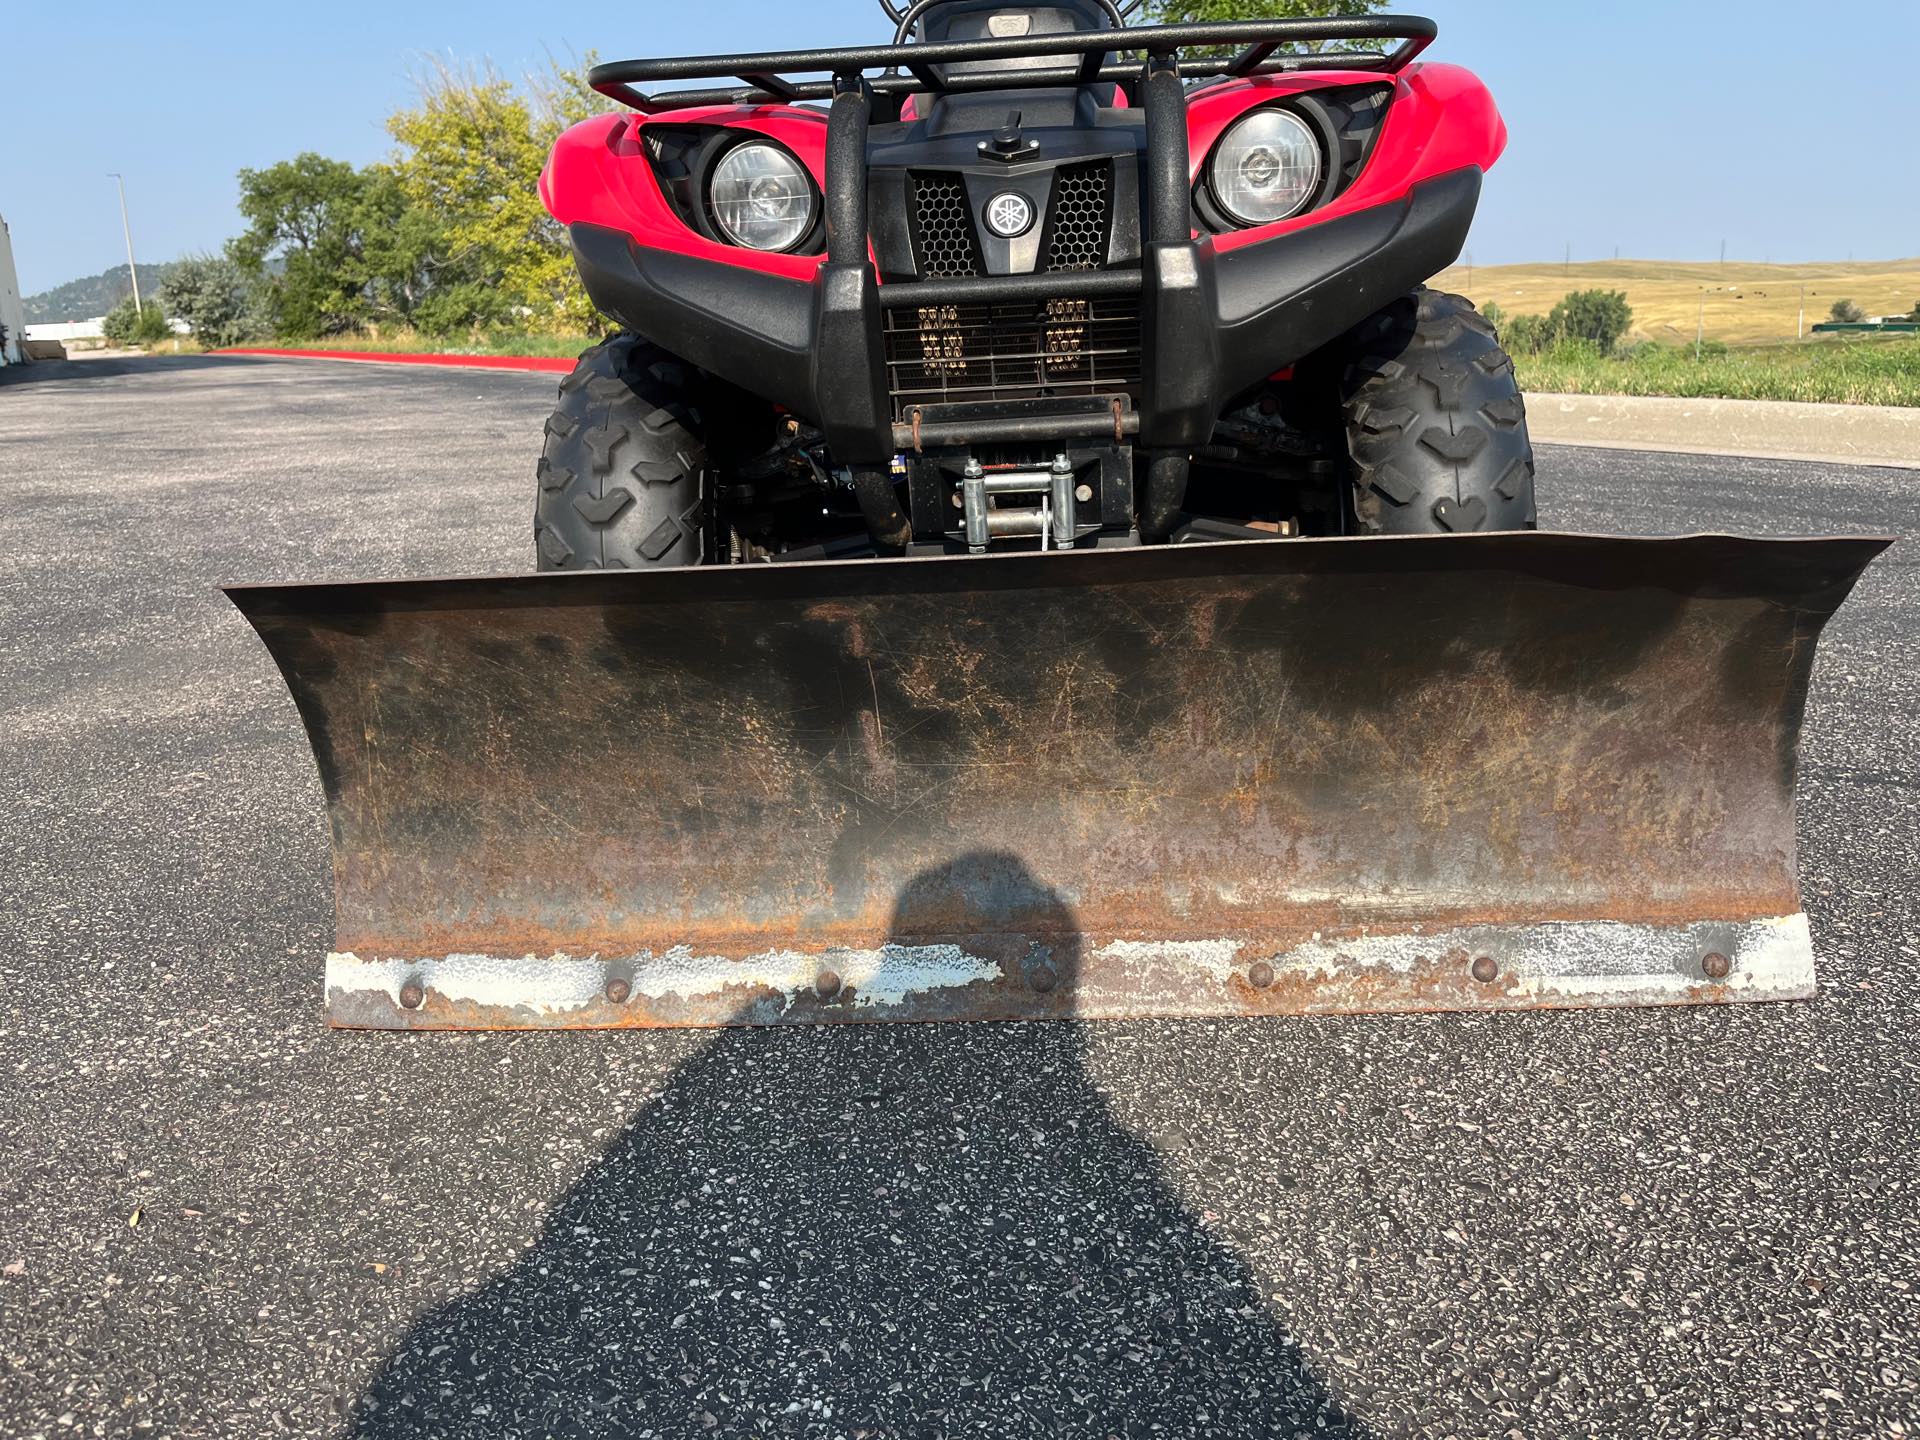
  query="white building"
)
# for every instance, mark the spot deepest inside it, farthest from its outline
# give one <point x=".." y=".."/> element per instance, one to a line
<point x="64" y="330"/>
<point x="13" y="315"/>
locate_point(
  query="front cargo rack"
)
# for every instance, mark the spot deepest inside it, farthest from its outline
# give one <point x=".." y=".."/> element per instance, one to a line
<point x="1097" y="56"/>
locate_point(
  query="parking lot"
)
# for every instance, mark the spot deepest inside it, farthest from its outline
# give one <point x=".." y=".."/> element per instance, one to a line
<point x="219" y="1218"/>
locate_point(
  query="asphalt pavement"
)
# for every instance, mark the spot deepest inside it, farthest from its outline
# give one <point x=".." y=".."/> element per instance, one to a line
<point x="219" y="1218"/>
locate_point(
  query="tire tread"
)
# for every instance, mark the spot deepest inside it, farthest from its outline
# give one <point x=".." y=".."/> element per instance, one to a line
<point x="1436" y="425"/>
<point x="620" y="476"/>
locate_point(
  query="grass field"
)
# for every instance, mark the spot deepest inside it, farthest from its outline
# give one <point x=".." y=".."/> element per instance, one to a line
<point x="1849" y="371"/>
<point x="407" y="342"/>
<point x="1838" y="371"/>
<point x="410" y="343"/>
<point x="1751" y="312"/>
<point x="1744" y="304"/>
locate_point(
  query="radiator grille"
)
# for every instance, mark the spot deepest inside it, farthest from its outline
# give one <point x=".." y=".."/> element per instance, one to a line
<point x="944" y="225"/>
<point x="1017" y="349"/>
<point x="1078" y="240"/>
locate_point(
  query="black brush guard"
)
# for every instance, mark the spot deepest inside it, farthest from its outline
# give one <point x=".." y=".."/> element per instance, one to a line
<point x="1211" y="325"/>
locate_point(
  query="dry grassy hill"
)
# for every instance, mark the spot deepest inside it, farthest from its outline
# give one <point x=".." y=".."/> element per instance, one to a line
<point x="1745" y="303"/>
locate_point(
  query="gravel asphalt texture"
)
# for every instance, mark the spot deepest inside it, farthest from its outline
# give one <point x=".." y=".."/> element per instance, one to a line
<point x="219" y="1218"/>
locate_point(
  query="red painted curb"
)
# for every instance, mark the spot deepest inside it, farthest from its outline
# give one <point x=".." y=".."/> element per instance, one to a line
<point x="476" y="362"/>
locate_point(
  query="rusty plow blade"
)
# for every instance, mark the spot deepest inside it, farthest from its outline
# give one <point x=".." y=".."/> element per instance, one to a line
<point x="1475" y="772"/>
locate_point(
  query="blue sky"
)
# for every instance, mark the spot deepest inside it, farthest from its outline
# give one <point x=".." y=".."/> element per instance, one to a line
<point x="1659" y="128"/>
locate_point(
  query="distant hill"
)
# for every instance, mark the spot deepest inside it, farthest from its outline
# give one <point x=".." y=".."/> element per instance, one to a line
<point x="95" y="295"/>
<point x="1739" y="302"/>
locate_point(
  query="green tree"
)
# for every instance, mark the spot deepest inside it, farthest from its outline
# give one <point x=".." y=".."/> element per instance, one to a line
<point x="1201" y="12"/>
<point x="303" y="212"/>
<point x="1914" y="314"/>
<point x="1601" y="316"/>
<point x="1204" y="12"/>
<point x="215" y="296"/>
<point x="449" y="235"/>
<point x="1845" y="312"/>
<point x="471" y="154"/>
<point x="125" y="325"/>
<point x="401" y="253"/>
<point x="349" y="247"/>
<point x="1184" y="12"/>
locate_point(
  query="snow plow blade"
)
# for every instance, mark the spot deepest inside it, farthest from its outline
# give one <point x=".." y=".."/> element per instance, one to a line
<point x="1474" y="772"/>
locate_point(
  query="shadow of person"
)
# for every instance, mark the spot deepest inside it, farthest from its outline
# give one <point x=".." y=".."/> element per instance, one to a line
<point x="869" y="1230"/>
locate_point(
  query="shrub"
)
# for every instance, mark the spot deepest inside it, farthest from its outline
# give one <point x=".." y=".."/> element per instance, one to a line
<point x="214" y="297"/>
<point x="120" y="323"/>
<point x="1493" y="314"/>
<point x="1601" y="316"/>
<point x="1845" y="312"/>
<point x="1529" y="334"/>
<point x="125" y="325"/>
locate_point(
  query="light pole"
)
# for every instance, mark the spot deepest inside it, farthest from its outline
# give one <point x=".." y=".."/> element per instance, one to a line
<point x="127" y="230"/>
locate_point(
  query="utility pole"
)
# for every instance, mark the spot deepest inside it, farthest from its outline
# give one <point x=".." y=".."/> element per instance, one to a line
<point x="1800" y="330"/>
<point x="127" y="230"/>
<point x="1723" y="254"/>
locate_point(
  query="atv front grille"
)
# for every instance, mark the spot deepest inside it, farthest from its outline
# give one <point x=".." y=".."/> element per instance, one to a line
<point x="1078" y="238"/>
<point x="943" y="225"/>
<point x="1012" y="349"/>
<point x="947" y="241"/>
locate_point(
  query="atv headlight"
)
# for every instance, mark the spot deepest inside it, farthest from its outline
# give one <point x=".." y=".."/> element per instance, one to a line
<point x="1266" y="168"/>
<point x="761" y="197"/>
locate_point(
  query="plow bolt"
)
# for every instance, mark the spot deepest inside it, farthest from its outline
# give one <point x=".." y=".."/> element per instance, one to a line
<point x="1260" y="975"/>
<point x="412" y="995"/>
<point x="1485" y="970"/>
<point x="1042" y="978"/>
<point x="827" y="984"/>
<point x="1717" y="966"/>
<point x="618" y="990"/>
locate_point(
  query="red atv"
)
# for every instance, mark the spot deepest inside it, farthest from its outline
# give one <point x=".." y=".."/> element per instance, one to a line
<point x="1032" y="281"/>
<point x="1030" y="278"/>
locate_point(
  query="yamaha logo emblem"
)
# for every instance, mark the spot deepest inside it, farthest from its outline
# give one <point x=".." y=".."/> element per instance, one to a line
<point x="1009" y="215"/>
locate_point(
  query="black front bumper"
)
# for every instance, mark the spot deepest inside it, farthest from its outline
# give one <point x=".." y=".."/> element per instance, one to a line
<point x="1212" y="324"/>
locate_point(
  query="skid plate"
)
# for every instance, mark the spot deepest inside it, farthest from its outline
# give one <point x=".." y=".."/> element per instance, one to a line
<point x="1460" y="772"/>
